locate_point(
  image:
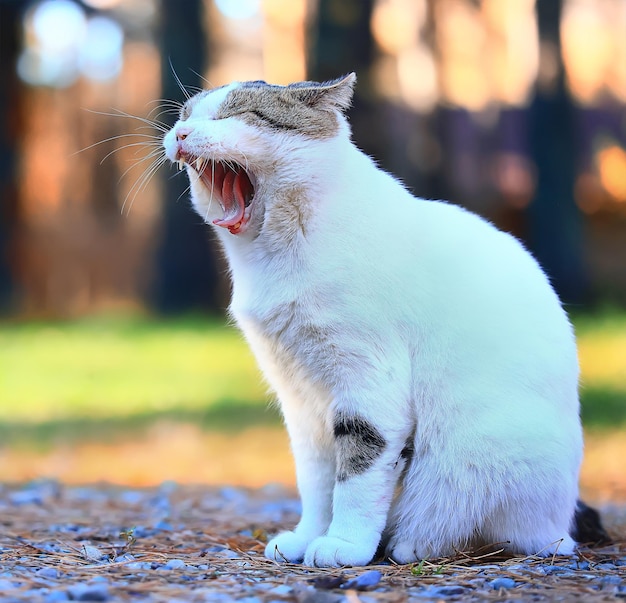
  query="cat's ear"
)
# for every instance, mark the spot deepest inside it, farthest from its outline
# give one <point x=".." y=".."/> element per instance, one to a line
<point x="335" y="94"/>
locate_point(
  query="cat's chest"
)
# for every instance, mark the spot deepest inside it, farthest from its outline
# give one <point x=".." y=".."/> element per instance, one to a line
<point x="280" y="338"/>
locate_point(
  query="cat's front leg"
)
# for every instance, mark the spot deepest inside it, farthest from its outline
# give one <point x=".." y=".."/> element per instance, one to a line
<point x="369" y="460"/>
<point x="315" y="474"/>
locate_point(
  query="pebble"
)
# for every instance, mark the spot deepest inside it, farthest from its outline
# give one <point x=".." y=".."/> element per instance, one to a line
<point x="281" y="589"/>
<point x="579" y="565"/>
<point x="611" y="580"/>
<point x="26" y="497"/>
<point x="92" y="553"/>
<point x="217" y="597"/>
<point x="51" y="573"/>
<point x="138" y="565"/>
<point x="163" y="526"/>
<point x="132" y="497"/>
<point x="606" y="566"/>
<point x="366" y="580"/>
<point x="234" y="495"/>
<point x="89" y="592"/>
<point x="228" y="554"/>
<point x="174" y="564"/>
<point x="553" y="569"/>
<point x="505" y="583"/>
<point x="56" y="596"/>
<point x="160" y="502"/>
<point x="444" y="591"/>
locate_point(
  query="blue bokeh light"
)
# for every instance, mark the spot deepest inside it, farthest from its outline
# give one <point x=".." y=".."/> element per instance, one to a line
<point x="64" y="44"/>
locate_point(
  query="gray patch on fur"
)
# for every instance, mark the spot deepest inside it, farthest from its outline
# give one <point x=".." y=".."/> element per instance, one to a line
<point x="359" y="444"/>
<point x="307" y="108"/>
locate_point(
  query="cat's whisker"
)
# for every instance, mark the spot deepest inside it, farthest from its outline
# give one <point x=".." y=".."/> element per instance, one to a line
<point x="140" y="145"/>
<point x="154" y="153"/>
<point x="156" y="150"/>
<point x="231" y="165"/>
<point x="246" y="165"/>
<point x="208" y="209"/>
<point x="212" y="181"/>
<point x="157" y="139"/>
<point x="208" y="83"/>
<point x="151" y="157"/>
<point x="182" y="87"/>
<point x="151" y="129"/>
<point x="166" y="101"/>
<point x="187" y="190"/>
<point x="164" y="108"/>
<point x="169" y="111"/>
<point x="157" y="125"/>
<point x="143" y="181"/>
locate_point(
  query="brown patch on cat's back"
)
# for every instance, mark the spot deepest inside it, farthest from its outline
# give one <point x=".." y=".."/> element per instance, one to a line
<point x="277" y="108"/>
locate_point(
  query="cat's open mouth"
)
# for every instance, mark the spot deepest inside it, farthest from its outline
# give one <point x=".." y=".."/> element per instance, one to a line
<point x="230" y="184"/>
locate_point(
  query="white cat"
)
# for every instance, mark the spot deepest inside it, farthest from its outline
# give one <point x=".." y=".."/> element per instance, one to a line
<point x="425" y="368"/>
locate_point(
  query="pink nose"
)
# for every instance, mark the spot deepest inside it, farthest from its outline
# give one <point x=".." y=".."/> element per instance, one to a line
<point x="182" y="132"/>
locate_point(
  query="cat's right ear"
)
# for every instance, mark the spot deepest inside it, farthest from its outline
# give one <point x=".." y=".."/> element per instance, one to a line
<point x="335" y="94"/>
<point x="339" y="92"/>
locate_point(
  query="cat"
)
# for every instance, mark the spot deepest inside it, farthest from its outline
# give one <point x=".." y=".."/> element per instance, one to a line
<point x="425" y="368"/>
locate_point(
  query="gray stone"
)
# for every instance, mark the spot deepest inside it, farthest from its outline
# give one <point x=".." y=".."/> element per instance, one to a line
<point x="89" y="592"/>
<point x="504" y="582"/>
<point x="174" y="564"/>
<point x="51" y="573"/>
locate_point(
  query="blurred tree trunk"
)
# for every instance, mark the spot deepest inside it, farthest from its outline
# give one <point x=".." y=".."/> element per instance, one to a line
<point x="341" y="42"/>
<point x="186" y="268"/>
<point x="10" y="126"/>
<point x="555" y="224"/>
<point x="397" y="137"/>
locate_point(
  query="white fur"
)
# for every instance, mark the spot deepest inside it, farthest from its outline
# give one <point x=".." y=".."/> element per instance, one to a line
<point x="425" y="320"/>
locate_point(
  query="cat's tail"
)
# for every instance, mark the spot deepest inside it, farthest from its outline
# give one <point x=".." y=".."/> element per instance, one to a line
<point x="587" y="527"/>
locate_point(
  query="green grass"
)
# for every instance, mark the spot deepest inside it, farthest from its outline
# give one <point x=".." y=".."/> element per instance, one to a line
<point x="121" y="367"/>
<point x="101" y="374"/>
<point x="602" y="353"/>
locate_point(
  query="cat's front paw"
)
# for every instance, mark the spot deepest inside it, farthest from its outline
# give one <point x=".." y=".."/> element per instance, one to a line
<point x="402" y="552"/>
<point x="327" y="551"/>
<point x="287" y="547"/>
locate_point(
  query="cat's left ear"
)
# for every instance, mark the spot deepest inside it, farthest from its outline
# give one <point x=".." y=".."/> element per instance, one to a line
<point x="336" y="94"/>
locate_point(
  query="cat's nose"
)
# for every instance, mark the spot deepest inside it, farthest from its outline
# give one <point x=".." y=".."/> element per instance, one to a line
<point x="182" y="132"/>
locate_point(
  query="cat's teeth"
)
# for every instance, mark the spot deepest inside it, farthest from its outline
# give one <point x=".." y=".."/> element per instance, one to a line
<point x="199" y="163"/>
<point x="181" y="164"/>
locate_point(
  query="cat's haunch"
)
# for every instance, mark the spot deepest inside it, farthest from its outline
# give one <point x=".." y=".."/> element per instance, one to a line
<point x="425" y="368"/>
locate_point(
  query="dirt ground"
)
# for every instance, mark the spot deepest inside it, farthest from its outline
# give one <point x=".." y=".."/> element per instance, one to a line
<point x="253" y="457"/>
<point x="178" y="543"/>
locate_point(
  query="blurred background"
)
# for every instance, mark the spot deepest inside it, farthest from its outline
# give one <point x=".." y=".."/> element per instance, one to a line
<point x="116" y="361"/>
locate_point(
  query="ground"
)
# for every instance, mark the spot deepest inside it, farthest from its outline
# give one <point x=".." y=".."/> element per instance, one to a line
<point x="178" y="543"/>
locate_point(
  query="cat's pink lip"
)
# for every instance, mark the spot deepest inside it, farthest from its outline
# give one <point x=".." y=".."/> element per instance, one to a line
<point x="230" y="184"/>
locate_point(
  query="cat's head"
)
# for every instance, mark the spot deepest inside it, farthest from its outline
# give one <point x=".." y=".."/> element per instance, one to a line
<point x="241" y="139"/>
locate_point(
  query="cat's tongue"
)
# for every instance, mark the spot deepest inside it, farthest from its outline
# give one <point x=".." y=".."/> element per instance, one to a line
<point x="236" y="190"/>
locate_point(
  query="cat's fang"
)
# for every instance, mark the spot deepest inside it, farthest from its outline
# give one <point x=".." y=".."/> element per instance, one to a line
<point x="181" y="163"/>
<point x="199" y="164"/>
